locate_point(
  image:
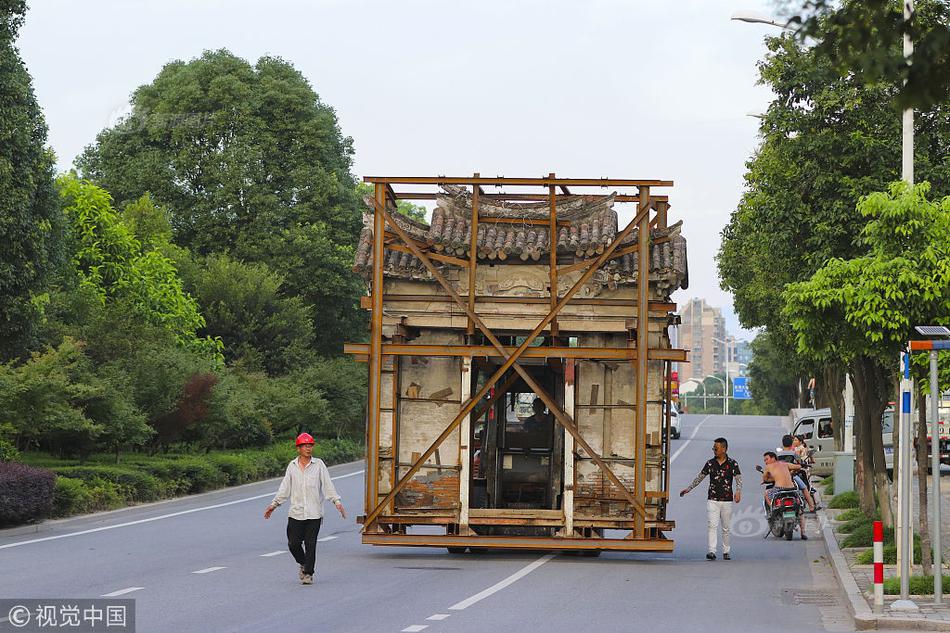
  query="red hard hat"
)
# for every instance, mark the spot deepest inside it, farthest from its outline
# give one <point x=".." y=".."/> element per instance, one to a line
<point x="305" y="438"/>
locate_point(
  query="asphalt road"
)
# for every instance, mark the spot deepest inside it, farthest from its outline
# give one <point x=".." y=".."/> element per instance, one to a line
<point x="248" y="582"/>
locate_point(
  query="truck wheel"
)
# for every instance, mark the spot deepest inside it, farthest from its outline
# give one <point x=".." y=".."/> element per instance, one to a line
<point x="456" y="550"/>
<point x="591" y="553"/>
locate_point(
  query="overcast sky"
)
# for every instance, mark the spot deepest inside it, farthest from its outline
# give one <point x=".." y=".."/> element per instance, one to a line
<point x="631" y="89"/>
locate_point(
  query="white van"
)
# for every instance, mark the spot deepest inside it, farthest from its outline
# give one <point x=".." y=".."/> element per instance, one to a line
<point x="818" y="430"/>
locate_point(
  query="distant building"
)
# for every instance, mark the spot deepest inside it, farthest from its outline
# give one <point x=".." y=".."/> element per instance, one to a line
<point x="740" y="353"/>
<point x="703" y="333"/>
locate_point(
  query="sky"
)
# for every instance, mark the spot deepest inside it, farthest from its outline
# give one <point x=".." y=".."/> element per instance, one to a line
<point x="599" y="88"/>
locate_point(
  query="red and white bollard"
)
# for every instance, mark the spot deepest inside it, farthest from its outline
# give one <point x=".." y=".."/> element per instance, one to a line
<point x="878" y="566"/>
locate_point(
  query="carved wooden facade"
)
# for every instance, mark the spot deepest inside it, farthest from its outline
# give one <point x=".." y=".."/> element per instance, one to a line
<point x="462" y="313"/>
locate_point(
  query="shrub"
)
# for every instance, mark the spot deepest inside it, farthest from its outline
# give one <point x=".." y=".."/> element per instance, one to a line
<point x="919" y="585"/>
<point x="850" y="515"/>
<point x="132" y="483"/>
<point x="844" y="500"/>
<point x="70" y="496"/>
<point x="26" y="493"/>
<point x="196" y="474"/>
<point x="863" y="536"/>
<point x="239" y="468"/>
<point x="8" y="452"/>
<point x="890" y="554"/>
<point x="828" y="484"/>
<point x="856" y="523"/>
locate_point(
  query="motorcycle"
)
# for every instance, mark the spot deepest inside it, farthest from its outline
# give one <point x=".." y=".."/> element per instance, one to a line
<point x="784" y="512"/>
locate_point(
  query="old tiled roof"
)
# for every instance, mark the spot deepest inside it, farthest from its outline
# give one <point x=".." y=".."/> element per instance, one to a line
<point x="593" y="225"/>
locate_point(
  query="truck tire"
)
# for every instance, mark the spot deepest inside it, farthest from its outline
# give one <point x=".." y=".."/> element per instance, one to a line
<point x="456" y="550"/>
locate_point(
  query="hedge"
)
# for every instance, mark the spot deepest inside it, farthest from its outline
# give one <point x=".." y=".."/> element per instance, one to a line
<point x="100" y="484"/>
<point x="919" y="585"/>
<point x="26" y="493"/>
<point x="890" y="554"/>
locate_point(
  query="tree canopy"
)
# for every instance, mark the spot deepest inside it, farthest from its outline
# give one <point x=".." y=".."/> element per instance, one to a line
<point x="864" y="38"/>
<point x="30" y="221"/>
<point x="251" y="163"/>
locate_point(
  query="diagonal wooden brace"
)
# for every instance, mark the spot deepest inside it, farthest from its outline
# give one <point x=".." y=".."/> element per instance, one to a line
<point x="565" y="420"/>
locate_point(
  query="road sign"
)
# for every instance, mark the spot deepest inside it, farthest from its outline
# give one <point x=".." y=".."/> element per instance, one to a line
<point x="740" y="388"/>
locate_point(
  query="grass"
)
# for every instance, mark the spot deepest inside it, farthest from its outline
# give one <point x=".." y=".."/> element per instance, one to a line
<point x="828" y="484"/>
<point x="850" y="515"/>
<point x="844" y="500"/>
<point x="919" y="585"/>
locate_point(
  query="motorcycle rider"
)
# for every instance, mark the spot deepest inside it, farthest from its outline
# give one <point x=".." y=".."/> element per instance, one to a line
<point x="788" y="454"/>
<point x="780" y="474"/>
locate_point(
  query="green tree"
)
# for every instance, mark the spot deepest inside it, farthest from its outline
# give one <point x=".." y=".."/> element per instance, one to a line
<point x="30" y="219"/>
<point x="111" y="263"/>
<point x="773" y="378"/>
<point x="863" y="309"/>
<point x="243" y="306"/>
<point x="864" y="38"/>
<point x="251" y="163"/>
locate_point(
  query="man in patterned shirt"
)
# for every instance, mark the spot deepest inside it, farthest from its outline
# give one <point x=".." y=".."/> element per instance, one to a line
<point x="722" y="471"/>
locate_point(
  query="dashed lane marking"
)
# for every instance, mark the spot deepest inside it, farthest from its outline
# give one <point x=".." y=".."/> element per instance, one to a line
<point x="208" y="570"/>
<point x="498" y="586"/>
<point x="121" y="592"/>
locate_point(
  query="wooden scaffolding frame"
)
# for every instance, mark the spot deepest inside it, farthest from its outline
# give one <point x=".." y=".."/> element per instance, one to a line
<point x="651" y="212"/>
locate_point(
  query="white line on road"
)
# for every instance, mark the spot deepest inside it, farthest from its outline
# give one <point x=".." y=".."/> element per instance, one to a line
<point x="686" y="443"/>
<point x="121" y="592"/>
<point x="326" y="538"/>
<point x="438" y="616"/>
<point x="274" y="553"/>
<point x="415" y="628"/>
<point x="158" y="518"/>
<point x="208" y="570"/>
<point x="518" y="575"/>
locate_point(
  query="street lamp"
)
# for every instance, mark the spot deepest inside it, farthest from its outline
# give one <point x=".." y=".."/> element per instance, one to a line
<point x="754" y="17"/>
<point x="725" y="402"/>
<point x="725" y="393"/>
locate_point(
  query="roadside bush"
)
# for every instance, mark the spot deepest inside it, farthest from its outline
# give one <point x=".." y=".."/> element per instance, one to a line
<point x="70" y="496"/>
<point x="828" y="484"/>
<point x="890" y="554"/>
<point x="844" y="500"/>
<point x="919" y="585"/>
<point x="26" y="493"/>
<point x="132" y="483"/>
<point x="863" y="536"/>
<point x="198" y="474"/>
<point x="240" y="469"/>
<point x="857" y="523"/>
<point x="8" y="452"/>
<point x="850" y="515"/>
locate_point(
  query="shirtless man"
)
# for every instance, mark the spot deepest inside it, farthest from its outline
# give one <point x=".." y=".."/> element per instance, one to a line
<point x="781" y="474"/>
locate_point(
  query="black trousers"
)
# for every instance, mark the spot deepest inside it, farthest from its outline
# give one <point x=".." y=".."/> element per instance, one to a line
<point x="302" y="541"/>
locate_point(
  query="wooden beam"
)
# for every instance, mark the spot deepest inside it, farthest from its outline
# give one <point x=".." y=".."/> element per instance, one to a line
<point x="517" y="182"/>
<point x="656" y="307"/>
<point x="455" y="261"/>
<point x="520" y="197"/>
<point x="473" y="256"/>
<point x="375" y="352"/>
<point x="489" y="351"/>
<point x="643" y="360"/>
<point x="552" y="249"/>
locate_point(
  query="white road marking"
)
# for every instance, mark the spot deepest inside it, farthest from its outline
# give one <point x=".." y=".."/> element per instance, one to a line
<point x="438" y="616"/>
<point x="686" y="443"/>
<point x="415" y="628"/>
<point x="208" y="570"/>
<point x="274" y="553"/>
<point x="121" y="592"/>
<point x="2" y="620"/>
<point x="158" y="518"/>
<point x="326" y="538"/>
<point x="518" y="575"/>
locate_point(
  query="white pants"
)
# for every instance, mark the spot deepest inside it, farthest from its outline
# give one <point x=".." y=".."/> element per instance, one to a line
<point x="718" y="513"/>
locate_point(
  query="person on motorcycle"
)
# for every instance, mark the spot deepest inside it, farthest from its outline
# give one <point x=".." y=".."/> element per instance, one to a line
<point x="787" y="454"/>
<point x="779" y="473"/>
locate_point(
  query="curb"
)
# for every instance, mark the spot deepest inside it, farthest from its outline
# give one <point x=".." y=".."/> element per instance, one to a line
<point x="864" y="617"/>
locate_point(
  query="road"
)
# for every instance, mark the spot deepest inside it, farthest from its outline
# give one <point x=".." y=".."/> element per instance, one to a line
<point x="249" y="582"/>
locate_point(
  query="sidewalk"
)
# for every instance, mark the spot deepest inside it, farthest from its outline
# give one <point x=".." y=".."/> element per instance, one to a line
<point x="858" y="580"/>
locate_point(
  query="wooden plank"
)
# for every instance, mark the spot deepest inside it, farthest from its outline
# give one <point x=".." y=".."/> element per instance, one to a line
<point x="487" y="351"/>
<point x="643" y="339"/>
<point x="656" y="307"/>
<point x="518" y="542"/>
<point x="517" y="182"/>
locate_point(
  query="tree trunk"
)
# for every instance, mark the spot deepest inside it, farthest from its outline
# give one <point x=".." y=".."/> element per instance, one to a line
<point x="871" y="384"/>
<point x="920" y="448"/>
<point x="831" y="395"/>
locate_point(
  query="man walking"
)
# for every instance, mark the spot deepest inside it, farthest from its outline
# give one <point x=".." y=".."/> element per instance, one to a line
<point x="307" y="484"/>
<point x="722" y="471"/>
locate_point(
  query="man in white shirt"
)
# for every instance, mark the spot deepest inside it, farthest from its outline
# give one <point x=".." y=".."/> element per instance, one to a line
<point x="307" y="484"/>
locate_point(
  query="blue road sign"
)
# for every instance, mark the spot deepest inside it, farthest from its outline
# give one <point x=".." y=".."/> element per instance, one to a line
<point x="740" y="388"/>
